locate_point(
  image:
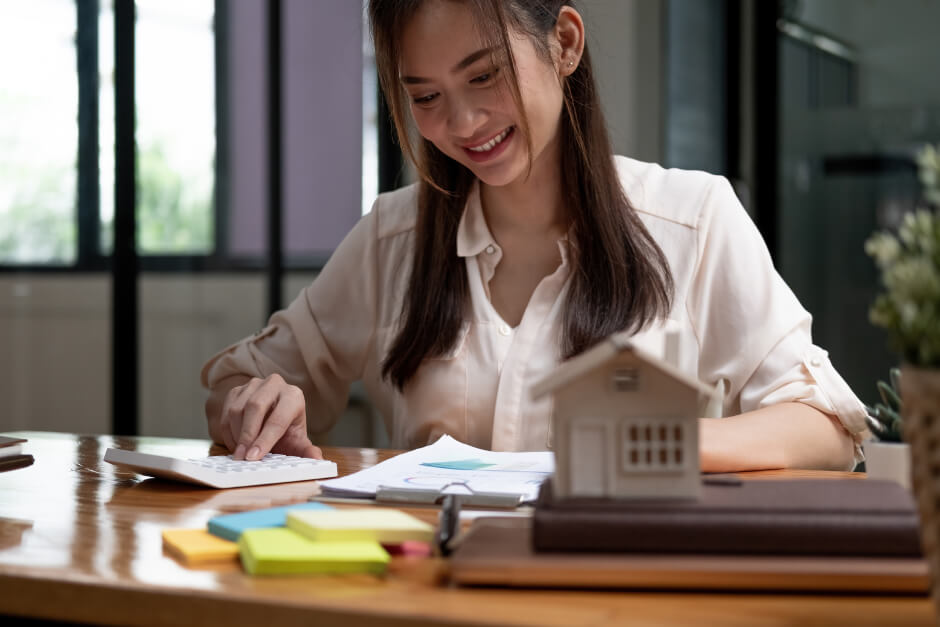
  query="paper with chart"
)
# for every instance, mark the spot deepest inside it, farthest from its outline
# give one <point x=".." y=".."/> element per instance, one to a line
<point x="450" y="463"/>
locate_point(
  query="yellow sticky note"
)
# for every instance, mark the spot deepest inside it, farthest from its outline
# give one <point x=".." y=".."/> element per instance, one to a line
<point x="378" y="524"/>
<point x="280" y="551"/>
<point x="197" y="546"/>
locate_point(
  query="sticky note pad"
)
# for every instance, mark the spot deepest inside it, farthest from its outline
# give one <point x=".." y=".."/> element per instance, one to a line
<point x="409" y="548"/>
<point x="198" y="546"/>
<point x="231" y="526"/>
<point x="379" y="524"/>
<point x="280" y="551"/>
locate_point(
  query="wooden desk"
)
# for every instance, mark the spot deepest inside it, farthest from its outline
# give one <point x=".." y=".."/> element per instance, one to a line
<point x="80" y="541"/>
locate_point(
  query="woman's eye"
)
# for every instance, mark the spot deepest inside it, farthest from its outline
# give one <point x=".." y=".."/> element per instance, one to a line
<point x="486" y="77"/>
<point x="424" y="99"/>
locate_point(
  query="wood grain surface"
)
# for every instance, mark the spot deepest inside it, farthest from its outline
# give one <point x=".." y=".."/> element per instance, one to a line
<point x="80" y="541"/>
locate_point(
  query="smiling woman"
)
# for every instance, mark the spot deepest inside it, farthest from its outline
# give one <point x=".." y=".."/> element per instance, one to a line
<point x="473" y="84"/>
<point x="524" y="243"/>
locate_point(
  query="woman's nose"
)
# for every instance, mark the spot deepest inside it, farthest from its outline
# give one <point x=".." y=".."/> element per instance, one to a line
<point x="463" y="118"/>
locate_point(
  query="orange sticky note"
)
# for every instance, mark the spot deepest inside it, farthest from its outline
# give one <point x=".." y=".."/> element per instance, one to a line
<point x="198" y="546"/>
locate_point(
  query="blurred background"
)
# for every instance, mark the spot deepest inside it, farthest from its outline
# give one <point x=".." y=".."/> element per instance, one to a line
<point x="173" y="170"/>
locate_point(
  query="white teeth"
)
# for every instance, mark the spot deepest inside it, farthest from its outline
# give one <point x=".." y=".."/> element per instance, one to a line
<point x="492" y="143"/>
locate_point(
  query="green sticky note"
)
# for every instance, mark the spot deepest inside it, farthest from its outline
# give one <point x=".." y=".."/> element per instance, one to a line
<point x="280" y="551"/>
<point x="376" y="524"/>
<point x="459" y="464"/>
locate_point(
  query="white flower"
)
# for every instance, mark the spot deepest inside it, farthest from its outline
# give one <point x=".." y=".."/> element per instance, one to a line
<point x="884" y="247"/>
<point x="928" y="163"/>
<point x="909" y="306"/>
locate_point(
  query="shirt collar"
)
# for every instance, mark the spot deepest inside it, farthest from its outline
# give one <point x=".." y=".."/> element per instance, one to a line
<point x="473" y="236"/>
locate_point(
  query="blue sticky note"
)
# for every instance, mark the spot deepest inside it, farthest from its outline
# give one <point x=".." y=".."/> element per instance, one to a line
<point x="459" y="464"/>
<point x="231" y="526"/>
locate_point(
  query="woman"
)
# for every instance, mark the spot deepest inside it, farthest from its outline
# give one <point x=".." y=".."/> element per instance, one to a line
<point x="524" y="243"/>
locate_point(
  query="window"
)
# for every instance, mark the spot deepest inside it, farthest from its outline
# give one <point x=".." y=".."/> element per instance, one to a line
<point x="43" y="199"/>
<point x="858" y="96"/>
<point x="370" y="121"/>
<point x="57" y="162"/>
<point x="39" y="137"/>
<point x="176" y="139"/>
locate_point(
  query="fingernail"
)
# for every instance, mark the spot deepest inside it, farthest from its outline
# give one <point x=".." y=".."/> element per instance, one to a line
<point x="254" y="453"/>
<point x="239" y="452"/>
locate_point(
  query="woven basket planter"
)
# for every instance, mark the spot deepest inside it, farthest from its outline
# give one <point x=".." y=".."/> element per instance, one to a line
<point x="920" y="394"/>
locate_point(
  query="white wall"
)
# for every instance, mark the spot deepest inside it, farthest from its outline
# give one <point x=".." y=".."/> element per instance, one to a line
<point x="56" y="346"/>
<point x="626" y="38"/>
<point x="55" y="351"/>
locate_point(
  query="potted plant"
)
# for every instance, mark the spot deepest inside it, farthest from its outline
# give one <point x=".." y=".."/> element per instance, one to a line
<point x="909" y="310"/>
<point x="909" y="307"/>
<point x="887" y="456"/>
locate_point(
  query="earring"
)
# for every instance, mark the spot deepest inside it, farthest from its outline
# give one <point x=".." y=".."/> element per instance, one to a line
<point x="570" y="63"/>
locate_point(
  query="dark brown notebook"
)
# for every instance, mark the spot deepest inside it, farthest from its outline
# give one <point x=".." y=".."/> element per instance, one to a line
<point x="12" y="462"/>
<point x="11" y="455"/>
<point x="763" y="517"/>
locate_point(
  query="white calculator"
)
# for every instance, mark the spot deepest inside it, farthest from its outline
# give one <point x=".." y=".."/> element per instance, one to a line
<point x="221" y="471"/>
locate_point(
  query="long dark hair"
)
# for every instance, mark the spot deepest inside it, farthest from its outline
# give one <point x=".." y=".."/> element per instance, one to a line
<point x="620" y="279"/>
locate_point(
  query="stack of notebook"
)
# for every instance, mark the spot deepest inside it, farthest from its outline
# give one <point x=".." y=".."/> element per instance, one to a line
<point x="302" y="539"/>
<point x="803" y="534"/>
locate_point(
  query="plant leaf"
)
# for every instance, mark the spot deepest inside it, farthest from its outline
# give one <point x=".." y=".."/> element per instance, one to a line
<point x="889" y="396"/>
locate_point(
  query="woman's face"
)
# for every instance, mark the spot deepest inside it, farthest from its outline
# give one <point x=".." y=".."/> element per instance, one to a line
<point x="461" y="100"/>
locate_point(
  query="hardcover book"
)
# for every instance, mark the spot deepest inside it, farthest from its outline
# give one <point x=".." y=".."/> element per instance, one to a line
<point x="11" y="454"/>
<point x="863" y="517"/>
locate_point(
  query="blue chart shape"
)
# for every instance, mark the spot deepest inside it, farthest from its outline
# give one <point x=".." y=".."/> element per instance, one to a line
<point x="460" y="464"/>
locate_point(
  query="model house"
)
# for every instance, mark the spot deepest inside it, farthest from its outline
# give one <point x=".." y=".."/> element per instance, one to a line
<point x="625" y="423"/>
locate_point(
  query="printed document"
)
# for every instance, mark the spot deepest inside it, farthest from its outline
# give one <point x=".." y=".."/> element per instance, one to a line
<point x="450" y="466"/>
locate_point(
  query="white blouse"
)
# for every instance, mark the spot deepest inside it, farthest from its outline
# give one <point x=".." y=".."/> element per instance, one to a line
<point x="739" y="323"/>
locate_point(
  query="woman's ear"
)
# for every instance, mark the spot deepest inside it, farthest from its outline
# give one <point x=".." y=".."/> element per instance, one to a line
<point x="569" y="33"/>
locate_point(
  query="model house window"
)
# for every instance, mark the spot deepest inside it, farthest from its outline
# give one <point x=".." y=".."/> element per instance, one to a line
<point x="652" y="445"/>
<point x="626" y="379"/>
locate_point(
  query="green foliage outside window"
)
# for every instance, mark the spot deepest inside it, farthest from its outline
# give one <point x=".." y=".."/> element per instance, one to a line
<point x="174" y="212"/>
<point x="39" y="224"/>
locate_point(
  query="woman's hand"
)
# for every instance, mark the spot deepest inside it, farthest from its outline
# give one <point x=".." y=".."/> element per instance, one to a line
<point x="262" y="416"/>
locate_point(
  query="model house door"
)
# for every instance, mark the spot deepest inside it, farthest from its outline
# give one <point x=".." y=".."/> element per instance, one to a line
<point x="589" y="456"/>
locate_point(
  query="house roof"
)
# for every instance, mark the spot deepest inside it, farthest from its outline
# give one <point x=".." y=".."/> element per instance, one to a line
<point x="603" y="352"/>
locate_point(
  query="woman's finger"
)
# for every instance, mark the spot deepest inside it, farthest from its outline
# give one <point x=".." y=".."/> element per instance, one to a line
<point x="288" y="411"/>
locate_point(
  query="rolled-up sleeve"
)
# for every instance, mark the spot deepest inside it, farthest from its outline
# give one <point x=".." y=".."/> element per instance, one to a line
<point x="321" y="341"/>
<point x="752" y="331"/>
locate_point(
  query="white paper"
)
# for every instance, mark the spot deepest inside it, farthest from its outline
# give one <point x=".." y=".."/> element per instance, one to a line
<point x="488" y="471"/>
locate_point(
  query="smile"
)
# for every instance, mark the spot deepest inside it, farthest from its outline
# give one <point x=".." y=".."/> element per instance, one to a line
<point x="491" y="149"/>
<point x="492" y="143"/>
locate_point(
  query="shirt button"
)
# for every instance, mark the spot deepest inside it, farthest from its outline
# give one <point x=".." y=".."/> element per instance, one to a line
<point x="815" y="361"/>
<point x="490" y="249"/>
<point x="504" y="329"/>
